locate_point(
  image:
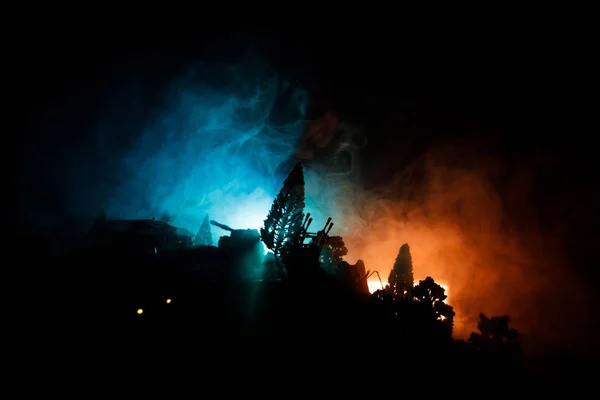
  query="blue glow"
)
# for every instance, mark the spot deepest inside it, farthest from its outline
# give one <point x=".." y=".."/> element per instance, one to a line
<point x="214" y="149"/>
<point x="218" y="141"/>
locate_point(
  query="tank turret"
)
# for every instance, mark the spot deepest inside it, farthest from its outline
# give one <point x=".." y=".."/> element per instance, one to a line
<point x="245" y="248"/>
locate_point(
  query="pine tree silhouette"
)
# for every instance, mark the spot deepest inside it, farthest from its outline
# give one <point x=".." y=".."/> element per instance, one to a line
<point x="401" y="279"/>
<point x="204" y="235"/>
<point x="283" y="225"/>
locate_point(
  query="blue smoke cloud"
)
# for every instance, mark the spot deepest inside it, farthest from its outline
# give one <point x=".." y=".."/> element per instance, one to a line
<point x="217" y="140"/>
<point x="213" y="149"/>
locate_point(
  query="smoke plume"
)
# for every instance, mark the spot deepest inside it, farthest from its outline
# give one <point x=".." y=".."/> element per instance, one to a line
<point x="475" y="224"/>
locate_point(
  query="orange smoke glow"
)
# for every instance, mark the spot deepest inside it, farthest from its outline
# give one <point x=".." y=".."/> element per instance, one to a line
<point x="456" y="225"/>
<point x="473" y="219"/>
<point x="373" y="285"/>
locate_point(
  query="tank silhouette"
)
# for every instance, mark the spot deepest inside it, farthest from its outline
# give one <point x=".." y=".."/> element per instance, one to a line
<point x="238" y="238"/>
<point x="245" y="250"/>
<point x="134" y="236"/>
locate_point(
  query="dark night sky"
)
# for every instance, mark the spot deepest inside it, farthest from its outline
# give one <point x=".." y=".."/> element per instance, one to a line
<point x="501" y="79"/>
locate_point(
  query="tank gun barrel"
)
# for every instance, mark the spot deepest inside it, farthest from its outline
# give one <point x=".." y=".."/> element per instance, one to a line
<point x="222" y="226"/>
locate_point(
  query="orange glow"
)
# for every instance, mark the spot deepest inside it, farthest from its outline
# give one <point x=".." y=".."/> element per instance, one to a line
<point x="374" y="285"/>
<point x="460" y="233"/>
<point x="168" y="301"/>
<point x="454" y="236"/>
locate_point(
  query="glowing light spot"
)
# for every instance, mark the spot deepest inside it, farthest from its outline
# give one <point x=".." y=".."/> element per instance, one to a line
<point x="374" y="286"/>
<point x="140" y="311"/>
<point x="168" y="301"/>
<point x="243" y="212"/>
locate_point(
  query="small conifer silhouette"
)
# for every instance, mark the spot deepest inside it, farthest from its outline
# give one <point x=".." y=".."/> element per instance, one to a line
<point x="401" y="279"/>
<point x="204" y="235"/>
